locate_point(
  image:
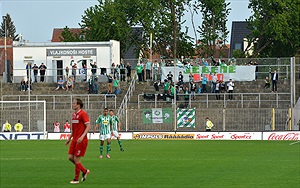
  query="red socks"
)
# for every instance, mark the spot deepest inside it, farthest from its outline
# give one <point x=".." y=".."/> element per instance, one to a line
<point x="78" y="168"/>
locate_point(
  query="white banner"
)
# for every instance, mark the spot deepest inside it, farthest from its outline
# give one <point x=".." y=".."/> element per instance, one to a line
<point x="91" y="136"/>
<point x="291" y="135"/>
<point x="22" y="135"/>
<point x="228" y="135"/>
<point x="58" y="136"/>
<point x="123" y="136"/>
<point x="236" y="73"/>
<point x="157" y="115"/>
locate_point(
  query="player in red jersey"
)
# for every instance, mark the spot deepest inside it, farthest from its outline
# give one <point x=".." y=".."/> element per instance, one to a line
<point x="80" y="128"/>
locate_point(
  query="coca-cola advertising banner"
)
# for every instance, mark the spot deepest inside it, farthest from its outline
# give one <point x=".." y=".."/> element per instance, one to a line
<point x="292" y="135"/>
<point x="228" y="135"/>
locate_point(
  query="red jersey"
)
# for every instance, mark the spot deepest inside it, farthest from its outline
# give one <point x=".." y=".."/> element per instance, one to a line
<point x="79" y="121"/>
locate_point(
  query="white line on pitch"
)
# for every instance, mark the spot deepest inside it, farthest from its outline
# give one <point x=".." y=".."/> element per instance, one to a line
<point x="295" y="142"/>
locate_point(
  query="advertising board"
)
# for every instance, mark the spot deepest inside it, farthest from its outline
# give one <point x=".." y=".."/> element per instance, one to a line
<point x="22" y="136"/>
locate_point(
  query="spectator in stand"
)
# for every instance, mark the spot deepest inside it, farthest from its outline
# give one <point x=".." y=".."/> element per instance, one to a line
<point x="84" y="72"/>
<point x="117" y="75"/>
<point x="215" y="63"/>
<point x="222" y="87"/>
<point x="157" y="85"/>
<point x="186" y="96"/>
<point x="28" y="70"/>
<point x="139" y="71"/>
<point x="214" y="82"/>
<point x="18" y="126"/>
<point x="70" y="84"/>
<point x="67" y="127"/>
<point x="141" y="67"/>
<point x="74" y="69"/>
<point x="155" y="69"/>
<point x="42" y="68"/>
<point x="166" y="86"/>
<point x="128" y="69"/>
<point x="116" y="86"/>
<point x="204" y="62"/>
<point x="180" y="79"/>
<point x="173" y="90"/>
<point x="91" y="85"/>
<point x="204" y="82"/>
<point x="217" y="89"/>
<point x="60" y="83"/>
<point x="67" y="72"/>
<point x="170" y="77"/>
<point x="267" y="83"/>
<point x="193" y="90"/>
<point x="230" y="87"/>
<point x="94" y="69"/>
<point x="56" y="125"/>
<point x="122" y="71"/>
<point x="23" y="85"/>
<point x="109" y="83"/>
<point x="148" y="70"/>
<point x="274" y="77"/>
<point x="35" y="71"/>
<point x="6" y="127"/>
<point x="95" y="85"/>
<point x="29" y="85"/>
<point x="191" y="77"/>
<point x="113" y="70"/>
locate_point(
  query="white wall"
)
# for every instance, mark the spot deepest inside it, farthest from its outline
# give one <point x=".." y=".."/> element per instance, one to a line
<point x="106" y="54"/>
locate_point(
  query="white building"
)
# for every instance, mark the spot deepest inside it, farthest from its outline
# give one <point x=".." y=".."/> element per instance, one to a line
<point x="59" y="55"/>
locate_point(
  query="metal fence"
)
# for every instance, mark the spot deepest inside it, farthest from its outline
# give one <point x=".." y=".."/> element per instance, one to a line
<point x="208" y="100"/>
<point x="95" y="101"/>
<point x="234" y="119"/>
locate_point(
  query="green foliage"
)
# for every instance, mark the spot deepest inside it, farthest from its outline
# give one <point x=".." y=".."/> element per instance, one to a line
<point x="113" y="20"/>
<point x="106" y="22"/>
<point x="275" y="27"/>
<point x="238" y="54"/>
<point x="213" y="30"/>
<point x="68" y="36"/>
<point x="153" y="163"/>
<point x="10" y="29"/>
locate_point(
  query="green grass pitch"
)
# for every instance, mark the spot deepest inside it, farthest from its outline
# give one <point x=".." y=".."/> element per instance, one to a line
<point x="154" y="163"/>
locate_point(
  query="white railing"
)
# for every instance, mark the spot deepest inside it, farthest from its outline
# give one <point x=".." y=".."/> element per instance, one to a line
<point x="209" y="100"/>
<point x="61" y="101"/>
<point x="123" y="106"/>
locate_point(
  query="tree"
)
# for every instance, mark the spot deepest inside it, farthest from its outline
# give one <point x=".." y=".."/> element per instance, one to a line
<point x="105" y="22"/>
<point x="114" y="19"/>
<point x="10" y="29"/>
<point x="68" y="36"/>
<point x="275" y="27"/>
<point x="213" y="30"/>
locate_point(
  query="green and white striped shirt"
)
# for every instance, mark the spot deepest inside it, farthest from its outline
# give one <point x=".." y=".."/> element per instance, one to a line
<point x="115" y="120"/>
<point x="104" y="122"/>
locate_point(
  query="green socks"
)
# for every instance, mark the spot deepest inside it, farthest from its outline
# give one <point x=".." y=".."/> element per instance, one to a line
<point x="101" y="150"/>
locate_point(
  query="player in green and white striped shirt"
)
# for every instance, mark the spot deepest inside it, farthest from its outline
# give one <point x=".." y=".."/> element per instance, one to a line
<point x="105" y="123"/>
<point x="116" y="127"/>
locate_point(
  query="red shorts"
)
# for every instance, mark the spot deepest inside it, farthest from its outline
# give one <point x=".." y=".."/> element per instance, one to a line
<point x="78" y="149"/>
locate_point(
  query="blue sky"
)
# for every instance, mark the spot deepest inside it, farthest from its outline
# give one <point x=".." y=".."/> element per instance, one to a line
<point x="35" y="19"/>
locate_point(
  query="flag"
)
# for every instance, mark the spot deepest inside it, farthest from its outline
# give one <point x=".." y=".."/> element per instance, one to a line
<point x="186" y="117"/>
<point x="72" y="61"/>
<point x="157" y="115"/>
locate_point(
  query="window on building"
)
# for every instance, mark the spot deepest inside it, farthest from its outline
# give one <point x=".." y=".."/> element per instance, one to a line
<point x="238" y="46"/>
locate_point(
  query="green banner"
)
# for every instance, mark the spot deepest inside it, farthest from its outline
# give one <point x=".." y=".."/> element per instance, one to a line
<point x="186" y="117"/>
<point x="157" y="115"/>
